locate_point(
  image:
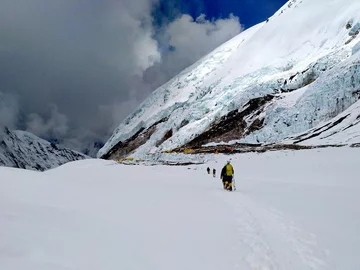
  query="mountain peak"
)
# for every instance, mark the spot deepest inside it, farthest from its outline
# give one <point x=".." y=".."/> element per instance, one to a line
<point x="21" y="149"/>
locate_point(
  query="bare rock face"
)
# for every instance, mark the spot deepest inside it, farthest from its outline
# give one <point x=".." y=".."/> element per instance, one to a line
<point x="234" y="126"/>
<point x="20" y="149"/>
<point x="122" y="149"/>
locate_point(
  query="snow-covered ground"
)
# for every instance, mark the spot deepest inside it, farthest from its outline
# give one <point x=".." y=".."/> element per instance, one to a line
<point x="292" y="210"/>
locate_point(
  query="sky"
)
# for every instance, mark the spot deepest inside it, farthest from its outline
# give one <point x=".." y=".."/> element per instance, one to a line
<point x="73" y="70"/>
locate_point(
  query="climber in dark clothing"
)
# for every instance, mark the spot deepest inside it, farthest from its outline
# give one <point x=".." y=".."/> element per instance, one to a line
<point x="208" y="170"/>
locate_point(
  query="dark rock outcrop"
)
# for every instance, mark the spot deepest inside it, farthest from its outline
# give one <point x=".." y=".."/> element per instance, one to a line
<point x="233" y="125"/>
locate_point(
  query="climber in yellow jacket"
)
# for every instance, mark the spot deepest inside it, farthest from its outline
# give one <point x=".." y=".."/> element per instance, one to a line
<point x="227" y="174"/>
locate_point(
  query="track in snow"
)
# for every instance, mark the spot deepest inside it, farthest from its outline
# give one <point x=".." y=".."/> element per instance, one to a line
<point x="267" y="242"/>
<point x="293" y="213"/>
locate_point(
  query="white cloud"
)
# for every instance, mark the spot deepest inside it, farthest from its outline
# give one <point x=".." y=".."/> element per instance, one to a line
<point x="190" y="39"/>
<point x="146" y="51"/>
<point x="193" y="39"/>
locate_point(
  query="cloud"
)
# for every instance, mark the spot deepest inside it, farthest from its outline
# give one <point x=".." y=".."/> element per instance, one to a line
<point x="200" y="36"/>
<point x="9" y="110"/>
<point x="77" y="68"/>
<point x="191" y="39"/>
<point x="54" y="126"/>
<point x="76" y="55"/>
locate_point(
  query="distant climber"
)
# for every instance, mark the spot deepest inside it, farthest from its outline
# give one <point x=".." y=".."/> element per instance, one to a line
<point x="214" y="173"/>
<point x="208" y="170"/>
<point x="227" y="174"/>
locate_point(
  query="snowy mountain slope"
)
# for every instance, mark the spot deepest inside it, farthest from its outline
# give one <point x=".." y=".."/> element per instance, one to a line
<point x="24" y="150"/>
<point x="274" y="80"/>
<point x="96" y="214"/>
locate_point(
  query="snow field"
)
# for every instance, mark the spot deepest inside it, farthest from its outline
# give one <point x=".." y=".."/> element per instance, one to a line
<point x="292" y="210"/>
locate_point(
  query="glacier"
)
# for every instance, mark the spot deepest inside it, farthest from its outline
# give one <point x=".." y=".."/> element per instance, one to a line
<point x="278" y="79"/>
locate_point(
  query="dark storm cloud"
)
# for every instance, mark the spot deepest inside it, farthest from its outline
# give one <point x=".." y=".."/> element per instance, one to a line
<point x="9" y="110"/>
<point x="75" y="55"/>
<point x="73" y="69"/>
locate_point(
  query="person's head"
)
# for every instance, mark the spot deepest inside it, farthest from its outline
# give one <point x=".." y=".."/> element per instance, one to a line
<point x="228" y="162"/>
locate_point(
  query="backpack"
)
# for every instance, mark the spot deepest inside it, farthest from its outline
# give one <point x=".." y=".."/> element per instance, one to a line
<point x="229" y="170"/>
